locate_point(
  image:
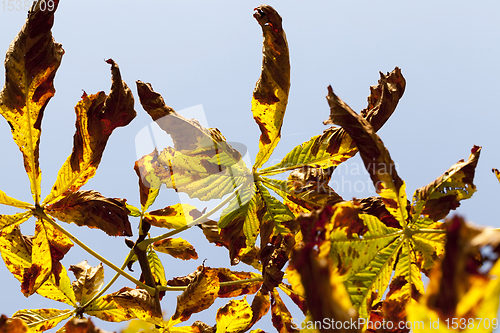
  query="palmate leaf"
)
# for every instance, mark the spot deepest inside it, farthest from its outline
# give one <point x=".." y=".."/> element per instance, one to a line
<point x="40" y="320"/>
<point x="97" y="116"/>
<point x="270" y="96"/>
<point x="91" y="209"/>
<point x="460" y="289"/>
<point x="201" y="164"/>
<point x="407" y="243"/>
<point x="30" y="67"/>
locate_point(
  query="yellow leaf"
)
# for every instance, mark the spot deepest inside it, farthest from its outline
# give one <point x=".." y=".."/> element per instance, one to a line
<point x="41" y="261"/>
<point x="235" y="316"/>
<point x="6" y="200"/>
<point x="176" y="247"/>
<point x="40" y="320"/>
<point x="13" y="220"/>
<point x="30" y="67"/>
<point x="226" y="275"/>
<point x="270" y="96"/>
<point x="89" y="281"/>
<point x="149" y="182"/>
<point x="97" y="117"/>
<point x="172" y="217"/>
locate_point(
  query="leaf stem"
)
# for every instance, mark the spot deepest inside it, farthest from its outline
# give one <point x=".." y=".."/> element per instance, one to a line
<point x="222" y="284"/>
<point x="39" y="212"/>
<point x="144" y="244"/>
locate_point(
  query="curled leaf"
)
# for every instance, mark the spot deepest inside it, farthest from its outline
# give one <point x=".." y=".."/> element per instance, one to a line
<point x="445" y="193"/>
<point x="97" y="116"/>
<point x="91" y="209"/>
<point x="270" y="96"/>
<point x="83" y="325"/>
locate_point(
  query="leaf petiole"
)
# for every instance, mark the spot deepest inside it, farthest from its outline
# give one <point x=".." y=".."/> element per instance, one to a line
<point x="222" y="284"/>
<point x="40" y="213"/>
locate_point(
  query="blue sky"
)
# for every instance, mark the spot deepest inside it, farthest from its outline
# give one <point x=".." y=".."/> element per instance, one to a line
<point x="196" y="52"/>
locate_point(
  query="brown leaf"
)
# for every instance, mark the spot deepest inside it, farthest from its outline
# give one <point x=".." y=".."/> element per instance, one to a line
<point x="375" y="156"/>
<point x="383" y="99"/>
<point x="274" y="256"/>
<point x="14" y="325"/>
<point x="91" y="209"/>
<point x="89" y="280"/>
<point x="138" y="301"/>
<point x="260" y="307"/>
<point x="375" y="206"/>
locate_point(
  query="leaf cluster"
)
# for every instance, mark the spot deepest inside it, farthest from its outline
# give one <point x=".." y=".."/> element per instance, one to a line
<point x="357" y="260"/>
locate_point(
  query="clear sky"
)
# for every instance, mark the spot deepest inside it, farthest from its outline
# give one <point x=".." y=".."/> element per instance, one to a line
<point x="209" y="53"/>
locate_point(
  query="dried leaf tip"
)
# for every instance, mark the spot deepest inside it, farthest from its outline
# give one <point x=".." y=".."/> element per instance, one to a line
<point x="268" y="16"/>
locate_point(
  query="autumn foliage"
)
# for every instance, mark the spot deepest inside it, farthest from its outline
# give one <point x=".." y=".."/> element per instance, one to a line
<point x="359" y="261"/>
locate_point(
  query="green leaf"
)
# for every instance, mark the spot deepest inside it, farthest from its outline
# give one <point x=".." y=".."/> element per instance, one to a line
<point x="270" y="96"/>
<point x="156" y="268"/>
